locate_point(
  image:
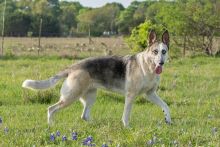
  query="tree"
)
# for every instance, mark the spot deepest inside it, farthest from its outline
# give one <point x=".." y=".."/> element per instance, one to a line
<point x="132" y="16"/>
<point x="18" y="24"/>
<point x="99" y="20"/>
<point x="194" y="23"/>
<point x="125" y="20"/>
<point x="48" y="11"/>
<point x="68" y="18"/>
<point x="50" y="25"/>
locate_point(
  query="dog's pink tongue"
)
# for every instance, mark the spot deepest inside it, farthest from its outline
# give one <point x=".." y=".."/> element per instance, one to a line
<point x="159" y="70"/>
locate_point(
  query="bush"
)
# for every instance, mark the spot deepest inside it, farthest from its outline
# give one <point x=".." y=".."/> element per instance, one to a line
<point x="139" y="36"/>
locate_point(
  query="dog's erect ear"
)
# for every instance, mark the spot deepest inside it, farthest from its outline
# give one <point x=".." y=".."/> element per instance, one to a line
<point x="166" y="38"/>
<point x="152" y="37"/>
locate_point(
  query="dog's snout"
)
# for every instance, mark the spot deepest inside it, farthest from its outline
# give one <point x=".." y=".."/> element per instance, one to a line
<point x="161" y="63"/>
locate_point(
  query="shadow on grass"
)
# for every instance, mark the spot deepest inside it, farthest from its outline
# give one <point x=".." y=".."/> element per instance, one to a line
<point x="106" y="96"/>
<point x="41" y="97"/>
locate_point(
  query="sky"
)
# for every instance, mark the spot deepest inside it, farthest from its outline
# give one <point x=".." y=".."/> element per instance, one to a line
<point x="99" y="3"/>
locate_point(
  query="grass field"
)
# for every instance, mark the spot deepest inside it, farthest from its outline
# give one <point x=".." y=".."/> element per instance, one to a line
<point x="190" y="86"/>
<point x="64" y="47"/>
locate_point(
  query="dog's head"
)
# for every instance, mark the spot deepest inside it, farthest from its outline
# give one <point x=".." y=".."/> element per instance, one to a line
<point x="158" y="50"/>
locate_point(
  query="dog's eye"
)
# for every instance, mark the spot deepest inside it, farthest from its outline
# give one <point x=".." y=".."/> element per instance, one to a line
<point x="164" y="52"/>
<point x="155" y="52"/>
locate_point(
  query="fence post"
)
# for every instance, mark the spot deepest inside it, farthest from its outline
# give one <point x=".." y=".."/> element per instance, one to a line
<point x="39" y="37"/>
<point x="3" y="28"/>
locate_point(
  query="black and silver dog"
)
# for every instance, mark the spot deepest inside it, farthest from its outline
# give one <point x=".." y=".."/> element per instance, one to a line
<point x="128" y="75"/>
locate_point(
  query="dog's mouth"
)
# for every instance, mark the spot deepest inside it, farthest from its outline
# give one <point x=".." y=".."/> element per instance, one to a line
<point x="159" y="69"/>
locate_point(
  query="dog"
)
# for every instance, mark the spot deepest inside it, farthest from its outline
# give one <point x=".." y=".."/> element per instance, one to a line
<point x="129" y="75"/>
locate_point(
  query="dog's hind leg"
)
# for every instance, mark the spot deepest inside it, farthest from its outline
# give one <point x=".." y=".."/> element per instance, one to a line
<point x="65" y="100"/>
<point x="73" y="87"/>
<point x="88" y="100"/>
<point x="153" y="97"/>
<point x="52" y="109"/>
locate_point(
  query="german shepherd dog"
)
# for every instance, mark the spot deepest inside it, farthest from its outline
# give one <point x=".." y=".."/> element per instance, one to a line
<point x="129" y="75"/>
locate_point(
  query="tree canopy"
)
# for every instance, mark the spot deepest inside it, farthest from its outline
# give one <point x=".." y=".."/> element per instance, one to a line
<point x="192" y="23"/>
<point x="67" y="18"/>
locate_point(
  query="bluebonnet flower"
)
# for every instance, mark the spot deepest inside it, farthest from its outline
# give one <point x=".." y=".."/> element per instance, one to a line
<point x="74" y="136"/>
<point x="52" y="137"/>
<point x="0" y="120"/>
<point x="58" y="133"/>
<point x="64" y="138"/>
<point x="150" y="142"/>
<point x="88" y="141"/>
<point x="90" y="138"/>
<point x="6" y="130"/>
<point x="104" y="145"/>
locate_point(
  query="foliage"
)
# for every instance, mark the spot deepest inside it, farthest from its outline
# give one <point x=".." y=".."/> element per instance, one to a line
<point x="194" y="23"/>
<point x="139" y="36"/>
<point x="68" y="18"/>
<point x="100" y="19"/>
<point x="47" y="22"/>
<point x="20" y="24"/>
<point x="132" y="16"/>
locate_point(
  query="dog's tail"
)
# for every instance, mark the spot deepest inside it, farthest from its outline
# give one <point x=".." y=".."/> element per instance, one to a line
<point x="44" y="84"/>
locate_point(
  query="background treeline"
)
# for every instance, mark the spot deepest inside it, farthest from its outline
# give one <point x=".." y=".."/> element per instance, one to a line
<point x="62" y="18"/>
<point x="193" y="24"/>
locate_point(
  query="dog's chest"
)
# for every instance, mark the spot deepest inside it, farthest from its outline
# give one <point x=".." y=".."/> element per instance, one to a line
<point x="148" y="83"/>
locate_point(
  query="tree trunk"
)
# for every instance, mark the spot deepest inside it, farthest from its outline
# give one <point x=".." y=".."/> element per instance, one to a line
<point x="90" y="35"/>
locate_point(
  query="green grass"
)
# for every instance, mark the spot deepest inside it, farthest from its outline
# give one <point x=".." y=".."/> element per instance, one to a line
<point x="190" y="86"/>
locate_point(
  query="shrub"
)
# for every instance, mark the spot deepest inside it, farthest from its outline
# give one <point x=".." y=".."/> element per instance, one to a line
<point x="139" y="36"/>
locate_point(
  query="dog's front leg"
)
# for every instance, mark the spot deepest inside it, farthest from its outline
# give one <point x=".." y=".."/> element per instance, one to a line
<point x="153" y="97"/>
<point x="129" y="98"/>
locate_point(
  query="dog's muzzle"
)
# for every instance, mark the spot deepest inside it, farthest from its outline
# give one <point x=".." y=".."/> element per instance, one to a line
<point x="159" y="69"/>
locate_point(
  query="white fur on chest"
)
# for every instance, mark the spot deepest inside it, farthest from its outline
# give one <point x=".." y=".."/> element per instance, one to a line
<point x="148" y="83"/>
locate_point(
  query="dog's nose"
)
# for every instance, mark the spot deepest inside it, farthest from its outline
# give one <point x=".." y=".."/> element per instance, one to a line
<point x="161" y="63"/>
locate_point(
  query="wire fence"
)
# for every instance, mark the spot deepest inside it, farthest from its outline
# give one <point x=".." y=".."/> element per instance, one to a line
<point x="65" y="46"/>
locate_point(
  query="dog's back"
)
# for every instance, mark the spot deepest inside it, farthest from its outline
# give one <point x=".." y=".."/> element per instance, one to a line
<point x="108" y="71"/>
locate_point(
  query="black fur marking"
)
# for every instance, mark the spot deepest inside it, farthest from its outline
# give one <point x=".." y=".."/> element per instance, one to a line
<point x="109" y="71"/>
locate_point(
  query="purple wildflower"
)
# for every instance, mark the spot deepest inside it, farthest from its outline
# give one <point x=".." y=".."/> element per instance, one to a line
<point x="64" y="138"/>
<point x="6" y="130"/>
<point x="150" y="142"/>
<point x="58" y="133"/>
<point x="88" y="141"/>
<point x="74" y="136"/>
<point x="90" y="138"/>
<point x="52" y="137"/>
<point x="104" y="145"/>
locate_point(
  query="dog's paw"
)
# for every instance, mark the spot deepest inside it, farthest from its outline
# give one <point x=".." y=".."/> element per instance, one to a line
<point x="83" y="117"/>
<point x="168" y="121"/>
